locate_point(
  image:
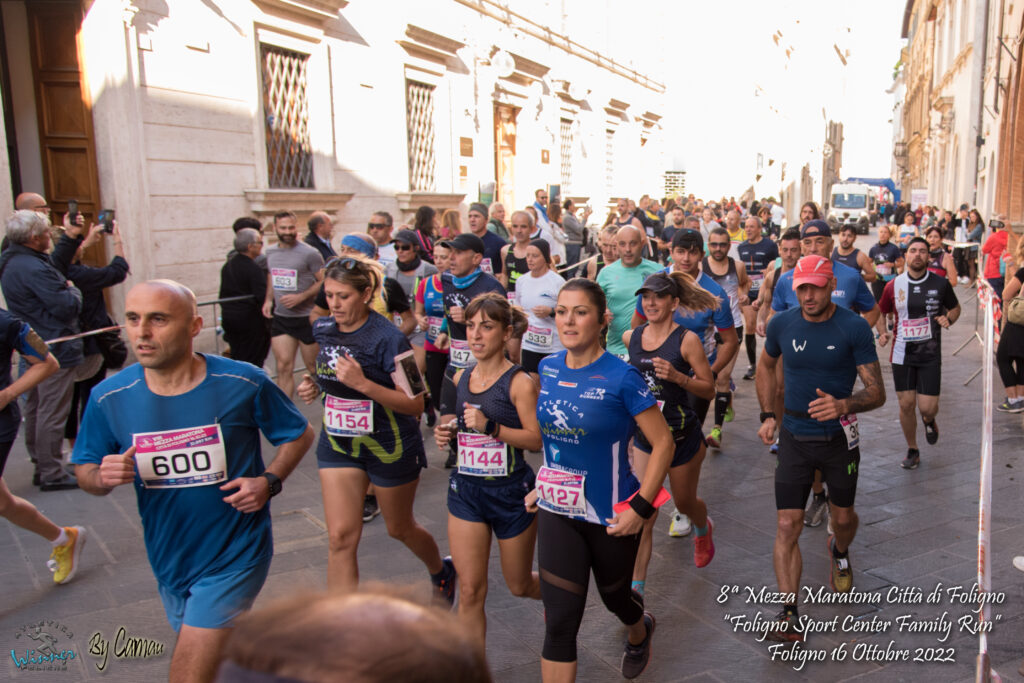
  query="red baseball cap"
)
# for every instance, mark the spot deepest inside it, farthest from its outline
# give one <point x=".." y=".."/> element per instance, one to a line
<point x="812" y="270"/>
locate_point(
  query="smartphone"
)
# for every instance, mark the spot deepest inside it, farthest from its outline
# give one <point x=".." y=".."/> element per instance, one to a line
<point x="73" y="211"/>
<point x="106" y="217"/>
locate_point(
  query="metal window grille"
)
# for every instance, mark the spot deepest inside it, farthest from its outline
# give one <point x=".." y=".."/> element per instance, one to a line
<point x="419" y="109"/>
<point x="565" y="140"/>
<point x="286" y="112"/>
<point x="609" y="161"/>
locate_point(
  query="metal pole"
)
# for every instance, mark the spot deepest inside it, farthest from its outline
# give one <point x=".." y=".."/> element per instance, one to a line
<point x="983" y="666"/>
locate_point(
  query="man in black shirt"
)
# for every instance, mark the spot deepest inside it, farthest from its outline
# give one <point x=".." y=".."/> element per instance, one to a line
<point x="245" y="328"/>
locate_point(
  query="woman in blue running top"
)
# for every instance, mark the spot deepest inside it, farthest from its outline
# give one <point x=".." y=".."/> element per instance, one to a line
<point x="497" y="419"/>
<point x="673" y="363"/>
<point x="592" y="509"/>
<point x="370" y="431"/>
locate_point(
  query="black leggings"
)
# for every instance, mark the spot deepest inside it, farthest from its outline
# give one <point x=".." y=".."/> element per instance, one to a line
<point x="567" y="551"/>
<point x="1010" y="355"/>
<point x="436" y="363"/>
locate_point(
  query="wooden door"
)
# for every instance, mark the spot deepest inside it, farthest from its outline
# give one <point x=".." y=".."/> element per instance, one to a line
<point x="505" y="155"/>
<point x="64" y="111"/>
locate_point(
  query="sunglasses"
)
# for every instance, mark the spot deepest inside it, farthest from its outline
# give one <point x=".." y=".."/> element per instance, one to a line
<point x="376" y="226"/>
<point x="404" y="247"/>
<point x="718" y="245"/>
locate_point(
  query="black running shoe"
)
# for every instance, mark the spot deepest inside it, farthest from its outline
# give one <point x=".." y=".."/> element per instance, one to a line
<point x="931" y="432"/>
<point x="912" y="460"/>
<point x="445" y="585"/>
<point x="786" y="629"/>
<point x="751" y="373"/>
<point x="452" y="461"/>
<point x="370" y="508"/>
<point x="635" y="658"/>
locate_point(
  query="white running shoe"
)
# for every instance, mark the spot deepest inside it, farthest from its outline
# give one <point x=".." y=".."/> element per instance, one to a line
<point x="680" y="525"/>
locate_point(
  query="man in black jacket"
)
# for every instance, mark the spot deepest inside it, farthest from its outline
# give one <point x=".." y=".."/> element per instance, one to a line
<point x="321" y="227"/>
<point x="245" y="328"/>
<point x="41" y="296"/>
<point x="91" y="281"/>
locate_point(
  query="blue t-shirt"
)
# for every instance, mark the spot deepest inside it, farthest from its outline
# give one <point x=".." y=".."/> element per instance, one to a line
<point x="822" y="355"/>
<point x="705" y="323"/>
<point x="885" y="253"/>
<point x="191" y="532"/>
<point x="374" y="346"/>
<point x="586" y="421"/>
<point x="14" y="336"/>
<point x="851" y="291"/>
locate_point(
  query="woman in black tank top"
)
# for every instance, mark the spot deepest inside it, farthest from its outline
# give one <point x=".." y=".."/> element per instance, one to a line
<point x="497" y="420"/>
<point x="940" y="261"/>
<point x="521" y="226"/>
<point x="673" y="362"/>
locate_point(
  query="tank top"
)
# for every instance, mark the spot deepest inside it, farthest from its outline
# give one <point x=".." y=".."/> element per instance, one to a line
<point x="848" y="260"/>
<point x="730" y="282"/>
<point x="600" y="264"/>
<point x="935" y="257"/>
<point x="494" y="402"/>
<point x="459" y="354"/>
<point x="430" y="295"/>
<point x="514" y="267"/>
<point x="672" y="398"/>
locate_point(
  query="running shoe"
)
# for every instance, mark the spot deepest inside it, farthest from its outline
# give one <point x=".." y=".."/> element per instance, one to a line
<point x="931" y="432"/>
<point x="1008" y="406"/>
<point x="786" y="629"/>
<point x="841" y="578"/>
<point x="828" y="525"/>
<point x="635" y="658"/>
<point x="445" y="583"/>
<point x="714" y="439"/>
<point x="370" y="508"/>
<point x="751" y="373"/>
<point x="680" y="525"/>
<point x="912" y="460"/>
<point x="729" y="413"/>
<point x="65" y="483"/>
<point x="63" y="560"/>
<point x="704" y="547"/>
<point x="816" y="511"/>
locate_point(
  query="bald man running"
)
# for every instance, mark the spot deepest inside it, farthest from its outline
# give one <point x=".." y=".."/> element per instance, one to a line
<point x="621" y="279"/>
<point x="184" y="429"/>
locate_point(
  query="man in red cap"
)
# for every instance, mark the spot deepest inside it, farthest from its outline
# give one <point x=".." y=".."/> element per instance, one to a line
<point x="821" y="344"/>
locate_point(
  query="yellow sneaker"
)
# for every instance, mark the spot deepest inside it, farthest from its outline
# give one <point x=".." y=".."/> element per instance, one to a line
<point x="63" y="560"/>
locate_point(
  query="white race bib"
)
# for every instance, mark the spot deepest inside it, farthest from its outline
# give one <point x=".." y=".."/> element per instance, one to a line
<point x="485" y="265"/>
<point x="755" y="280"/>
<point x="883" y="269"/>
<point x="482" y="456"/>
<point x="459" y="354"/>
<point x="181" y="458"/>
<point x="434" y="326"/>
<point x="539" y="336"/>
<point x="849" y="422"/>
<point x="285" y="279"/>
<point x="561" y="492"/>
<point x="916" y="329"/>
<point x="347" y="417"/>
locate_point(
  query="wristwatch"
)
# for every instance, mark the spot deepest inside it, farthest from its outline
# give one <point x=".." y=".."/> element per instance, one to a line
<point x="274" y="481"/>
<point x="765" y="416"/>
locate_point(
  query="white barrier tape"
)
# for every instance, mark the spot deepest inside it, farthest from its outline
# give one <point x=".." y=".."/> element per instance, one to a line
<point x="83" y="334"/>
<point x="577" y="265"/>
<point x="983" y="671"/>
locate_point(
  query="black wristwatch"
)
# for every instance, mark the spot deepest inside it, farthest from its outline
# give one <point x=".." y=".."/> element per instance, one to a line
<point x="274" y="481"/>
<point x="765" y="416"/>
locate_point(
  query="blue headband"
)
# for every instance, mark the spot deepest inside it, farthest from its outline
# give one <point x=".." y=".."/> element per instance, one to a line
<point x="359" y="244"/>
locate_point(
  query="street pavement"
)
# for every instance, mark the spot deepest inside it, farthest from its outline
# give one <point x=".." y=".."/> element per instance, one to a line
<point x="918" y="531"/>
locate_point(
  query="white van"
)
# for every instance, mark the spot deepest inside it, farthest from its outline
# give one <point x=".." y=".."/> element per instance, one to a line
<point x="851" y="204"/>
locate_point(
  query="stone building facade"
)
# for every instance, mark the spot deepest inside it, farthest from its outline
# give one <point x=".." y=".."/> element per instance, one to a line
<point x="186" y="114"/>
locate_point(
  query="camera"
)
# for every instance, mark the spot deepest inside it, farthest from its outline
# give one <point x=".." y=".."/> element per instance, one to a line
<point x="106" y="217"/>
<point x="73" y="211"/>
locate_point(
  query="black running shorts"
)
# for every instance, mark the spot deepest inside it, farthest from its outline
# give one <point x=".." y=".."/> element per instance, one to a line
<point x="797" y="460"/>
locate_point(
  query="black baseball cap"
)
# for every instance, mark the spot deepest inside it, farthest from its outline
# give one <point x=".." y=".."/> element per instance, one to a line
<point x="407" y="237"/>
<point x="465" y="242"/>
<point x="688" y="239"/>
<point x="814" y="229"/>
<point x="658" y="283"/>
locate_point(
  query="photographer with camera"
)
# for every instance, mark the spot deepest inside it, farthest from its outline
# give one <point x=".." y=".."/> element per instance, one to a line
<point x="104" y="351"/>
